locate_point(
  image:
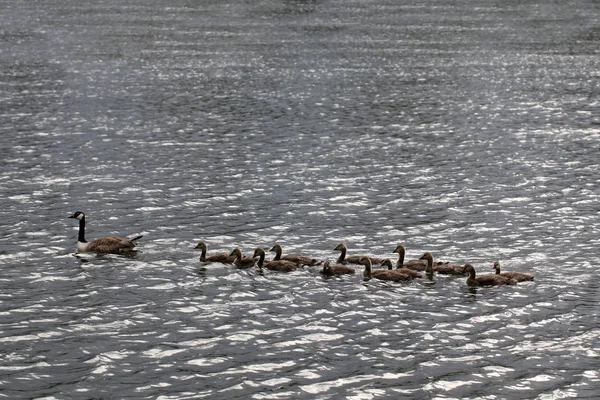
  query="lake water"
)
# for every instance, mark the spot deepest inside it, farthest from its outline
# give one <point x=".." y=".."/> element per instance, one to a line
<point x="470" y="129"/>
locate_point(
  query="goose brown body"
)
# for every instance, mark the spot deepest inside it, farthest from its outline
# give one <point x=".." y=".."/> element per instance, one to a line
<point x="274" y="265"/>
<point x="241" y="261"/>
<point x="517" y="276"/>
<point x="297" y="258"/>
<point x="382" y="274"/>
<point x="487" y="279"/>
<point x="338" y="269"/>
<point x="106" y="244"/>
<point x="343" y="259"/>
<point x="416" y="265"/>
<point x="215" y="257"/>
<point x="410" y="272"/>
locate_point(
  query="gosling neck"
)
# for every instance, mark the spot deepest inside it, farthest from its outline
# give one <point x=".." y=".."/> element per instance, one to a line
<point x="401" y="253"/>
<point x="342" y="256"/>
<point x="203" y="253"/>
<point x="261" y="259"/>
<point x="429" y="268"/>
<point x="277" y="250"/>
<point x="367" y="273"/>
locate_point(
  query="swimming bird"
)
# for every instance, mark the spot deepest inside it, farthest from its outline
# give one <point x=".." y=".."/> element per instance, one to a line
<point x="382" y="274"/>
<point x="216" y="257"/>
<point x="417" y="265"/>
<point x="388" y="263"/>
<point x="445" y="268"/>
<point x="329" y="269"/>
<point x="274" y="265"/>
<point x="241" y="261"/>
<point x="342" y="259"/>
<point x="517" y="276"/>
<point x="297" y="258"/>
<point x="106" y="244"/>
<point x="487" y="279"/>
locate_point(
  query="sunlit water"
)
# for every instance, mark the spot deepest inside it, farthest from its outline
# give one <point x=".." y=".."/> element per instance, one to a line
<point x="469" y="129"/>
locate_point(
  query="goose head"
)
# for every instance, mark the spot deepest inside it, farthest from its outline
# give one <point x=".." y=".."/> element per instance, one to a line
<point x="78" y="215"/>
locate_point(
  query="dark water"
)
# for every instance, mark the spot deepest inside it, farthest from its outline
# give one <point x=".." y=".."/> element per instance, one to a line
<point x="470" y="129"/>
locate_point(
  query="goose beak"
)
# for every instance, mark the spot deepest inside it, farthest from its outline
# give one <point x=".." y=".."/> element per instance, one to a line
<point x="72" y="216"/>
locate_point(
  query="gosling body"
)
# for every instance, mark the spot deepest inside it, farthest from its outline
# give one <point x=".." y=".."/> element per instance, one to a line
<point x="487" y="279"/>
<point x="416" y="265"/>
<point x="297" y="258"/>
<point x="337" y="269"/>
<point x="274" y="265"/>
<point x="517" y="276"/>
<point x="382" y="274"/>
<point x="225" y="258"/>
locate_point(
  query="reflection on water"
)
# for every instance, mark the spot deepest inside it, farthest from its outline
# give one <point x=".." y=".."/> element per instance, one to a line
<point x="468" y="130"/>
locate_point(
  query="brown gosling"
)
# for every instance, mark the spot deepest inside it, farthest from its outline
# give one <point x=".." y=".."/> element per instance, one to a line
<point x="382" y="274"/>
<point x="517" y="276"/>
<point x="416" y="265"/>
<point x="342" y="259"/>
<point x="443" y="268"/>
<point x="329" y="269"/>
<point x="225" y="258"/>
<point x="241" y="261"/>
<point x="297" y="258"/>
<point x="388" y="263"/>
<point x="487" y="279"/>
<point x="274" y="265"/>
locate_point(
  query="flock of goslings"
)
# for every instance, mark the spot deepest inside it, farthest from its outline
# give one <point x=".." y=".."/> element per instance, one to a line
<point x="405" y="270"/>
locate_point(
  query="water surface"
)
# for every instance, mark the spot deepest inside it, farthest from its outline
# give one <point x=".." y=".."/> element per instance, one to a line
<point x="468" y="129"/>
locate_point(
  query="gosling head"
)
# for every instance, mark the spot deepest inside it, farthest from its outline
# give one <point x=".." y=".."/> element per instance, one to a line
<point x="340" y="247"/>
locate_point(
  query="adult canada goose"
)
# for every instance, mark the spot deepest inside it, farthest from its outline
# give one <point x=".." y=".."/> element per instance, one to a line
<point x="274" y="265"/>
<point x="329" y="269"/>
<point x="342" y="259"/>
<point x="382" y="274"/>
<point x="297" y="258"/>
<point x="241" y="261"/>
<point x="216" y="257"/>
<point x="106" y="244"/>
<point x="443" y="268"/>
<point x="487" y="279"/>
<point x="417" y="265"/>
<point x="388" y="263"/>
<point x="517" y="276"/>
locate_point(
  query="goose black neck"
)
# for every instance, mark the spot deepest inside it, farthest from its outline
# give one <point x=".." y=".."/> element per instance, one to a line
<point x="81" y="237"/>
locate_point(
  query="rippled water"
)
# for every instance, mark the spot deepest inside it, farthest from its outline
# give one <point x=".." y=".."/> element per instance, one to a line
<point x="470" y="129"/>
